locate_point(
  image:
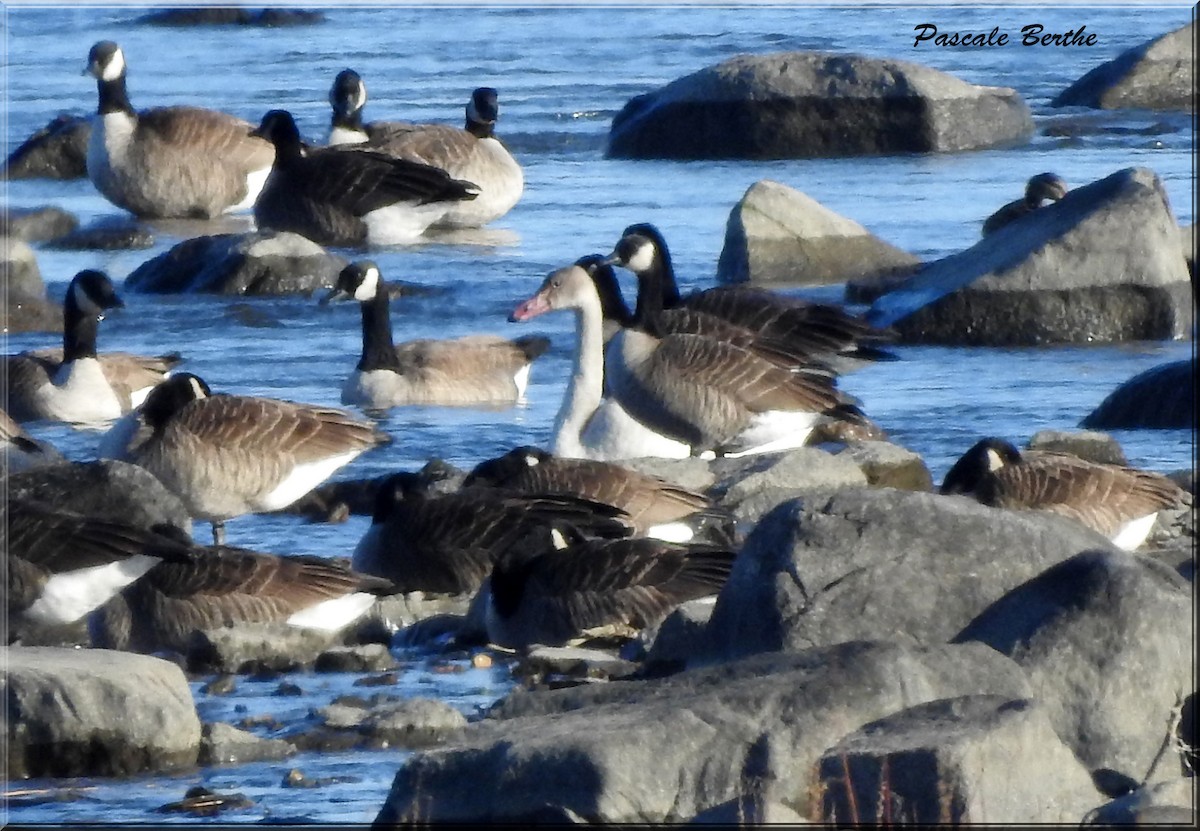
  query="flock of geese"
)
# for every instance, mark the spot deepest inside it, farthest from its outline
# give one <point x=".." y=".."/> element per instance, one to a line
<point x="554" y="546"/>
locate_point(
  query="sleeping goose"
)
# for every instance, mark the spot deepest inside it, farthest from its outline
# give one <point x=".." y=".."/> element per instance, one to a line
<point x="472" y="153"/>
<point x="704" y="393"/>
<point x="1119" y="502"/>
<point x="820" y="332"/>
<point x="422" y="540"/>
<point x="1042" y="187"/>
<point x="579" y="588"/>
<point x="60" y="565"/>
<point x="169" y="161"/>
<point x="477" y="370"/>
<point x="349" y="196"/>
<point x="77" y="385"/>
<point x="226" y="586"/>
<point x="228" y="455"/>
<point x="656" y="507"/>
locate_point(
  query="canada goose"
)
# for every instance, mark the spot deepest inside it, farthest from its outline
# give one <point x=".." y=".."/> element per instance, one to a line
<point x="228" y="455"/>
<point x="349" y="196"/>
<point x="20" y="450"/>
<point x="1039" y="188"/>
<point x="472" y="371"/>
<point x="226" y="586"/>
<point x="657" y="508"/>
<point x="709" y="395"/>
<point x="581" y="588"/>
<point x="819" y="332"/>
<point x="447" y="542"/>
<point x="61" y="565"/>
<point x="1119" y="502"/>
<point x="169" y="161"/>
<point x="472" y="153"/>
<point x="76" y="385"/>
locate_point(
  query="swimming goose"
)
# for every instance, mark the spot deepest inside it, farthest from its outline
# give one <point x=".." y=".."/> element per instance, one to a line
<point x="472" y="153"/>
<point x="819" y="332"/>
<point x="21" y="451"/>
<point x="225" y="586"/>
<point x="477" y="370"/>
<point x="656" y="507"/>
<point x="349" y="196"/>
<point x="228" y="455"/>
<point x="1039" y="188"/>
<point x="76" y="385"/>
<point x="447" y="542"/>
<point x="1119" y="502"/>
<point x="707" y="394"/>
<point x="169" y="161"/>
<point x="61" y="565"/>
<point x="582" y="588"/>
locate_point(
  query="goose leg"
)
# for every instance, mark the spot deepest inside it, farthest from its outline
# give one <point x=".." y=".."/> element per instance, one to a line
<point x="218" y="532"/>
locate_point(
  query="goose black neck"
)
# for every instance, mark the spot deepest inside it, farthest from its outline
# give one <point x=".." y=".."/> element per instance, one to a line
<point x="480" y="129"/>
<point x="348" y="121"/>
<point x="79" y="331"/>
<point x="612" y="302"/>
<point x="378" y="351"/>
<point x="651" y="291"/>
<point x="665" y="271"/>
<point x="113" y="97"/>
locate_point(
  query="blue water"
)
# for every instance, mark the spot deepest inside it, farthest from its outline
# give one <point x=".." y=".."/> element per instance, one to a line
<point x="562" y="73"/>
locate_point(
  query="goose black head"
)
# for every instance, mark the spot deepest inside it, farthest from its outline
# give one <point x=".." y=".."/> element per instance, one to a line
<point x="171" y="396"/>
<point x="484" y="106"/>
<point x="279" y="128"/>
<point x="983" y="459"/>
<point x="92" y="293"/>
<point x="106" y="61"/>
<point x="361" y="280"/>
<point x="348" y="95"/>
<point x="503" y="469"/>
<point x="1045" y="186"/>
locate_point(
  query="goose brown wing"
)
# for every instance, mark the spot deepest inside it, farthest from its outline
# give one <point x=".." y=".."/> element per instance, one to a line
<point x="209" y="136"/>
<point x="439" y="145"/>
<point x="683" y="320"/>
<point x="20" y="377"/>
<point x="265" y="426"/>
<point x="471" y="355"/>
<point x="1006" y="215"/>
<point x="361" y="181"/>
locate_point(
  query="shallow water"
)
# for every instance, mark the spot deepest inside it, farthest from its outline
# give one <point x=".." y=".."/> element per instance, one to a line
<point x="562" y="73"/>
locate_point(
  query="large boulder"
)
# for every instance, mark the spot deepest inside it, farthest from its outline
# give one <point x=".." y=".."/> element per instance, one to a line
<point x="665" y="750"/>
<point x="19" y="269"/>
<point x="91" y="712"/>
<point x="39" y="224"/>
<point x="1107" y="643"/>
<point x="778" y="235"/>
<point x="880" y="563"/>
<point x="262" y="263"/>
<point x="971" y="760"/>
<point x="812" y="104"/>
<point x="1163" y="397"/>
<point x="57" y="151"/>
<point x="1102" y="264"/>
<point x="1157" y="75"/>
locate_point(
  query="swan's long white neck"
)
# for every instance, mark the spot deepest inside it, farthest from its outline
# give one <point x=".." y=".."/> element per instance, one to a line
<point x="586" y="386"/>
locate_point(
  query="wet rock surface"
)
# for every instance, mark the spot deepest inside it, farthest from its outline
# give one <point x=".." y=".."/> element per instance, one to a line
<point x="57" y="151"/>
<point x="1157" y="75"/>
<point x="1162" y="397"/>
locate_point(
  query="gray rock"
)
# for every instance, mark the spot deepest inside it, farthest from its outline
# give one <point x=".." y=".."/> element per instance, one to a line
<point x="106" y="234"/>
<point x="573" y="661"/>
<point x="1086" y="444"/>
<point x="680" y="636"/>
<point x="395" y="613"/>
<point x="255" y="646"/>
<point x="1065" y="273"/>
<point x="91" y="712"/>
<point x="19" y="267"/>
<point x="371" y="657"/>
<point x="692" y="473"/>
<point x="1161" y="804"/>
<point x="1099" y="636"/>
<point x="881" y="563"/>
<point x="1157" y="75"/>
<point x="57" y="151"/>
<point x="971" y="760"/>
<point x="262" y="263"/>
<point x="664" y="750"/>
<point x="39" y="224"/>
<point x="809" y="104"/>
<point x="748" y="809"/>
<point x="1162" y="397"/>
<point x="888" y="465"/>
<point x="414" y="722"/>
<point x="224" y="744"/>
<point x="103" y="488"/>
<point x="1180" y="556"/>
<point x="777" y="235"/>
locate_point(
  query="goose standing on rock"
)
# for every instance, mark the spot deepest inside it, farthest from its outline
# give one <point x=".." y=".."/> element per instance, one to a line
<point x="349" y="196"/>
<point x="78" y="386"/>
<point x="704" y="393"/>
<point x="169" y="161"/>
<point x="225" y="586"/>
<point x="228" y="455"/>
<point x="1120" y="502"/>
<point x="580" y="588"/>
<point x="59" y="565"/>
<point x="472" y="152"/>
<point x="656" y="507"/>
<point x="819" y="333"/>
<point x="477" y="370"/>
<point x="1042" y="187"/>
